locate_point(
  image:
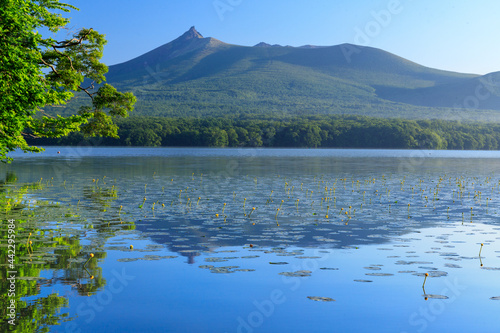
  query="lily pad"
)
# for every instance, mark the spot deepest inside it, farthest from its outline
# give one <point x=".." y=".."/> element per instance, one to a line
<point x="435" y="296"/>
<point x="35" y="262"/>
<point x="402" y="262"/>
<point x="215" y="259"/>
<point x="151" y="257"/>
<point x="221" y="270"/>
<point x="302" y="273"/>
<point x="308" y="257"/>
<point x="117" y="248"/>
<point x="30" y="278"/>
<point x="128" y="259"/>
<point x="77" y="260"/>
<point x="154" y="246"/>
<point x="321" y="299"/>
<point x="428" y="268"/>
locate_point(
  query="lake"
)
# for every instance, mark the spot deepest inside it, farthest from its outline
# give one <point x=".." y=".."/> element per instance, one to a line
<point x="253" y="240"/>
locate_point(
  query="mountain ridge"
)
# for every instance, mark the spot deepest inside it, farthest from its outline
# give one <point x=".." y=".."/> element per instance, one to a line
<point x="197" y="76"/>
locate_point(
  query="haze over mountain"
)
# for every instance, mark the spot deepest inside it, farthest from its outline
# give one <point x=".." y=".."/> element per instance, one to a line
<point x="198" y="76"/>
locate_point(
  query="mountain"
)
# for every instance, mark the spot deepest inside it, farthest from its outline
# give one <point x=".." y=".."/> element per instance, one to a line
<point x="198" y="76"/>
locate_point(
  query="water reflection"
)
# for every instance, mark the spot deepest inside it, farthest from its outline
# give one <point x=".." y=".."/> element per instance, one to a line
<point x="323" y="201"/>
<point x="49" y="251"/>
<point x="341" y="219"/>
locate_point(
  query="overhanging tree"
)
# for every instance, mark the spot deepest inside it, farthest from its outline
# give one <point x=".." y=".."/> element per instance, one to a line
<point x="36" y="72"/>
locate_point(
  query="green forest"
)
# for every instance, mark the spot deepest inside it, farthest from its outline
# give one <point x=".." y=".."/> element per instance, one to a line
<point x="315" y="131"/>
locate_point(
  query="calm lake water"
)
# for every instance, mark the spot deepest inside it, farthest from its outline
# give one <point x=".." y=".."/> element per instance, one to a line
<point x="258" y="240"/>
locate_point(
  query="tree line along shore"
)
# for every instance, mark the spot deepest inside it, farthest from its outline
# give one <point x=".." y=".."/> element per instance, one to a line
<point x="335" y="131"/>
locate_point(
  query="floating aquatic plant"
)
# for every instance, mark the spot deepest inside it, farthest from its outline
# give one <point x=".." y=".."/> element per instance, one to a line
<point x="321" y="299"/>
<point x="425" y="279"/>
<point x="90" y="257"/>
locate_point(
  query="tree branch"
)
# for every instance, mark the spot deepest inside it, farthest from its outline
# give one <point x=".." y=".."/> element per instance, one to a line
<point x="46" y="114"/>
<point x="64" y="55"/>
<point x="91" y="95"/>
<point x="51" y="67"/>
<point x="30" y="135"/>
<point x="71" y="42"/>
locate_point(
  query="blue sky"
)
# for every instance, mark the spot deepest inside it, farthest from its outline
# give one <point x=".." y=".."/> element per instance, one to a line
<point x="456" y="35"/>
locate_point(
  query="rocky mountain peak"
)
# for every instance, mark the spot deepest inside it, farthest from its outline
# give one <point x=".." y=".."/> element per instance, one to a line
<point x="190" y="34"/>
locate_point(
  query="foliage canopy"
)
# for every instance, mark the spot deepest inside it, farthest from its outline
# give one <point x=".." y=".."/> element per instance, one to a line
<point x="36" y="72"/>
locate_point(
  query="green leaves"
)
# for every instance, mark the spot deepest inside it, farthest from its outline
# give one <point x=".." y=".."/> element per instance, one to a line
<point x="57" y="127"/>
<point x="100" y="124"/>
<point x="36" y="72"/>
<point x="119" y="104"/>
